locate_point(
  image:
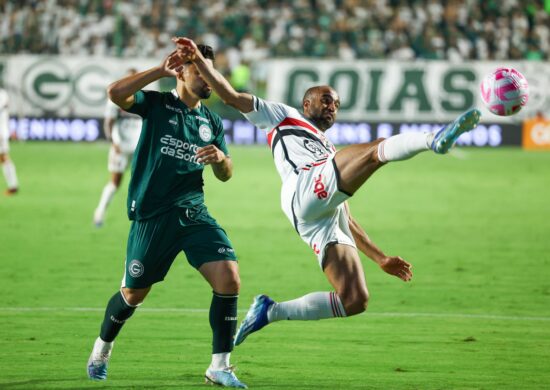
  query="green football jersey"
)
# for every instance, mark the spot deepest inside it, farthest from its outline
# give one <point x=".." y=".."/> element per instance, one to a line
<point x="165" y="172"/>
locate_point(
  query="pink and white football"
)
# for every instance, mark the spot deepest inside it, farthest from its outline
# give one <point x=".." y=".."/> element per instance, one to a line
<point x="504" y="91"/>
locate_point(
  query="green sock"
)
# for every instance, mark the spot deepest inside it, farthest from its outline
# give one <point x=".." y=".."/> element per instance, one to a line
<point x="223" y="321"/>
<point x="116" y="313"/>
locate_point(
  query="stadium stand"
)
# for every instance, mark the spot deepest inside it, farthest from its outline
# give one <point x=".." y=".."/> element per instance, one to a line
<point x="251" y="30"/>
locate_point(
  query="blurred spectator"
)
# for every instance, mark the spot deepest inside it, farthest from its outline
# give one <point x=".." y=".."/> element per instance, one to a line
<point x="240" y="77"/>
<point x="455" y="30"/>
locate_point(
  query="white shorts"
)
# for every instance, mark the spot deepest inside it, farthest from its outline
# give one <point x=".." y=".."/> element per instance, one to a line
<point x="118" y="161"/>
<point x="314" y="205"/>
<point x="4" y="134"/>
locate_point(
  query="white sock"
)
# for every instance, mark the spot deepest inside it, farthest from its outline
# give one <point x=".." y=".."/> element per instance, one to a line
<point x="220" y="361"/>
<point x="9" y="173"/>
<point x="403" y="146"/>
<point x="106" y="197"/>
<point x="102" y="349"/>
<point x="313" y="306"/>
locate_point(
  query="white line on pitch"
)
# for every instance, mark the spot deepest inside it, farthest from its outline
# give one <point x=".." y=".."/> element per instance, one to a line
<point x="200" y="310"/>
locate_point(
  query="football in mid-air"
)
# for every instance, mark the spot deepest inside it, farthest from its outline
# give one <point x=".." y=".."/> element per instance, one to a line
<point x="504" y="91"/>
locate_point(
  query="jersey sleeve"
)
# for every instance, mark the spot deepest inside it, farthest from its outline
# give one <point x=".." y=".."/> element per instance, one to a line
<point x="219" y="140"/>
<point x="143" y="100"/>
<point x="266" y="115"/>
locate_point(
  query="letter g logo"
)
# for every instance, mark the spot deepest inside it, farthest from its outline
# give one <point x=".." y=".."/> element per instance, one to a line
<point x="48" y="84"/>
<point x="136" y="268"/>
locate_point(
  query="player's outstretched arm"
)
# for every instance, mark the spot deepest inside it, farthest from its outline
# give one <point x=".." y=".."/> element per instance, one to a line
<point x="244" y="102"/>
<point x="393" y="265"/>
<point x="122" y="92"/>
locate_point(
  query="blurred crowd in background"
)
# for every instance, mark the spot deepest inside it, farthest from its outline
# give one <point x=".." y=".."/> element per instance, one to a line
<point x="256" y="29"/>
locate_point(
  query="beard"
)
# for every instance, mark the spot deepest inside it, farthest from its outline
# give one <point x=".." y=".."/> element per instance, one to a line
<point x="205" y="94"/>
<point x="323" y="121"/>
<point x="202" y="92"/>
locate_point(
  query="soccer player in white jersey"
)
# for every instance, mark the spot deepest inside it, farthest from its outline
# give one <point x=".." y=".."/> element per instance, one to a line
<point x="8" y="167"/>
<point x="123" y="129"/>
<point x="317" y="181"/>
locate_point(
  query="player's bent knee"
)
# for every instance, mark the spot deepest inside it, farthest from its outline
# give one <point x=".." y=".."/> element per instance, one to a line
<point x="116" y="180"/>
<point x="135" y="296"/>
<point x="369" y="153"/>
<point x="231" y="285"/>
<point x="356" y="304"/>
<point x="375" y="156"/>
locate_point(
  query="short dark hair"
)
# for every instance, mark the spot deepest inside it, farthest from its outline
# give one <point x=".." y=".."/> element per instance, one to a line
<point x="309" y="93"/>
<point x="206" y="51"/>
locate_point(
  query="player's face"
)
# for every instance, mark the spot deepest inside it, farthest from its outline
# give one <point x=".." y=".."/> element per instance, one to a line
<point x="322" y="107"/>
<point x="195" y="83"/>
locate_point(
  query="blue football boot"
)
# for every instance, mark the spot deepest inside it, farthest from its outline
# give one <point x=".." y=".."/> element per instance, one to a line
<point x="445" y="138"/>
<point x="255" y="319"/>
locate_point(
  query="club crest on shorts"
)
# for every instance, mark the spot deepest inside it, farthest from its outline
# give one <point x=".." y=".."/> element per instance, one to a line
<point x="205" y="133"/>
<point x="136" y="268"/>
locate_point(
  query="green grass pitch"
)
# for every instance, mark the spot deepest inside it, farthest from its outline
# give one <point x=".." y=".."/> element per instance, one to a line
<point x="475" y="224"/>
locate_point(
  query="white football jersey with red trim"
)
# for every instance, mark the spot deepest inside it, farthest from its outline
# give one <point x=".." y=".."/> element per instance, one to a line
<point x="296" y="143"/>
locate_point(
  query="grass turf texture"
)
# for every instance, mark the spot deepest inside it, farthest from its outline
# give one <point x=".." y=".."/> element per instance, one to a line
<point x="476" y="315"/>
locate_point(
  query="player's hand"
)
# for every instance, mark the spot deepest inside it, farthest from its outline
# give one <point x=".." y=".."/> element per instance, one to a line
<point x="210" y="154"/>
<point x="172" y="64"/>
<point x="187" y="48"/>
<point x="396" y="266"/>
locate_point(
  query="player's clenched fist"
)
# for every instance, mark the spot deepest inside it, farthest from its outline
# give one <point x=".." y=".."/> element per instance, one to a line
<point x="209" y="154"/>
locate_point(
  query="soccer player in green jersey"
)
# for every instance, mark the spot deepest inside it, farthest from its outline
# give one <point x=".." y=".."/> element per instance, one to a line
<point x="166" y="205"/>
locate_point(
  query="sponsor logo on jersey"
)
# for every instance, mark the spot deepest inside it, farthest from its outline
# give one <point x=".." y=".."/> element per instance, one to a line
<point x="179" y="149"/>
<point x="202" y="119"/>
<point x="223" y="250"/>
<point x="136" y="268"/>
<point x="230" y="318"/>
<point x="205" y="132"/>
<point x="175" y="109"/>
<point x="319" y="188"/>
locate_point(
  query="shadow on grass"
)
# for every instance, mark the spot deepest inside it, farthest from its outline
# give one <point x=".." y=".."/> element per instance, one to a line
<point x="184" y="382"/>
<point x="70" y="384"/>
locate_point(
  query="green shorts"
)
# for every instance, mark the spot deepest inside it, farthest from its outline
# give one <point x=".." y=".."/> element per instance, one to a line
<point x="154" y="243"/>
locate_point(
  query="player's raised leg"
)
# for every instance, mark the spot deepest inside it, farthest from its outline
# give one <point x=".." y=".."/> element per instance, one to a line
<point x="120" y="307"/>
<point x="344" y="271"/>
<point x="356" y="163"/>
<point x="313" y="306"/>
<point x="223" y="276"/>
